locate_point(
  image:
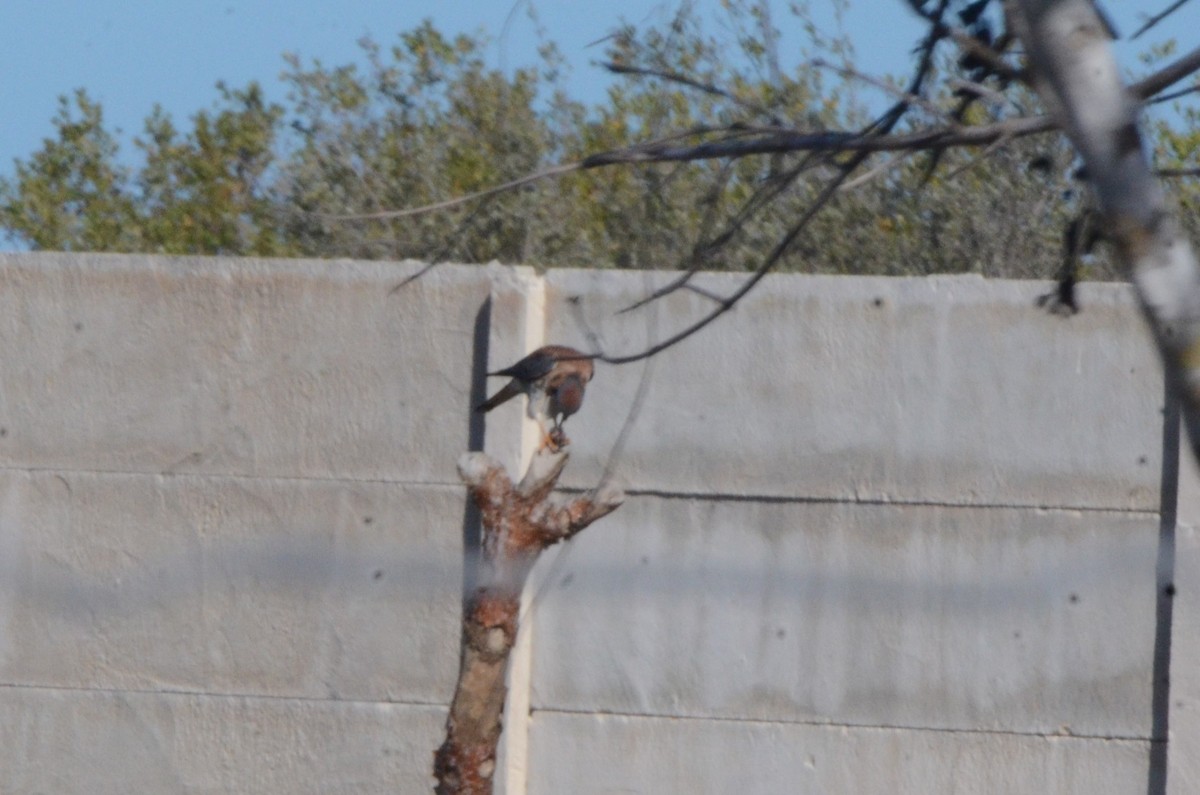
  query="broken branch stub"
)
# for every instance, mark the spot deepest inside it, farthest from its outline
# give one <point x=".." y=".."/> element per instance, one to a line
<point x="518" y="523"/>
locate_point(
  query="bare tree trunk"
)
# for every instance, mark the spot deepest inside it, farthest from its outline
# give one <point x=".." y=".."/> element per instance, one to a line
<point x="1076" y="74"/>
<point x="518" y="523"/>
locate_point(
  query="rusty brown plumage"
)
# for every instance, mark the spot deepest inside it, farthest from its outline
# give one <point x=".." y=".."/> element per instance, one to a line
<point x="553" y="378"/>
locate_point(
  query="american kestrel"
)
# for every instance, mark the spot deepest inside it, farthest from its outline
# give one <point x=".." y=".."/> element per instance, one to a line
<point x="553" y="378"/>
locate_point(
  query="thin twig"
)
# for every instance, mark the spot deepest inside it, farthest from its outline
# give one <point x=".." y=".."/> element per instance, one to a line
<point x="681" y="79"/>
<point x="883" y="85"/>
<point x="767" y="265"/>
<point x="998" y="98"/>
<point x="991" y="56"/>
<point x="1183" y="92"/>
<point x="881" y="126"/>
<point x="761" y="198"/>
<point x="887" y="165"/>
<point x="553" y="171"/>
<point x="1159" y="17"/>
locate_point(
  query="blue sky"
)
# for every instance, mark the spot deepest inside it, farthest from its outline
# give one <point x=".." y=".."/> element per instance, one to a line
<point x="130" y="54"/>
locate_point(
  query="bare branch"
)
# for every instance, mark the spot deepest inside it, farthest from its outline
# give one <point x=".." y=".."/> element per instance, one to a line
<point x="988" y="55"/>
<point x="1159" y="17"/>
<point x="784" y="142"/>
<point x="901" y="96"/>
<point x="981" y="91"/>
<point x="1183" y="92"/>
<point x="761" y="198"/>
<point x="553" y="171"/>
<point x="742" y="141"/>
<point x="684" y="80"/>
<point x="1077" y="75"/>
<point x="880" y="127"/>
<point x="767" y="265"/>
<point x="887" y="165"/>
<point x="1166" y="77"/>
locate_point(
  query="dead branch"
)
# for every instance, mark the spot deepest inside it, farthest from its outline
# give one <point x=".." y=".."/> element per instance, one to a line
<point x="1159" y="17"/>
<point x="1077" y="76"/>
<point x="882" y="85"/>
<point x="1149" y="86"/>
<point x="519" y="521"/>
<point x="992" y="57"/>
<point x="742" y="140"/>
<point x="553" y="171"/>
<point x="671" y="76"/>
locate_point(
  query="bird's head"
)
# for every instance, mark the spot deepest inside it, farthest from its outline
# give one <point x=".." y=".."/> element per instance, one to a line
<point x="566" y="397"/>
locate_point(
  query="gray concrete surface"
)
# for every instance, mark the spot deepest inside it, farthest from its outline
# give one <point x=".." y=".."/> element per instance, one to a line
<point x="948" y="389"/>
<point x="257" y="586"/>
<point x="904" y="616"/>
<point x="95" y="742"/>
<point x="231" y="531"/>
<point x="883" y="535"/>
<point x="624" y="754"/>
<point x="248" y="367"/>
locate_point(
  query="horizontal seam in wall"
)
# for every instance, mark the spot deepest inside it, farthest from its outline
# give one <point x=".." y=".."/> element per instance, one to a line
<point x="839" y="725"/>
<point x="124" y="691"/>
<point x="228" y="476"/>
<point x="632" y="492"/>
<point x="767" y="499"/>
<point x="779" y="499"/>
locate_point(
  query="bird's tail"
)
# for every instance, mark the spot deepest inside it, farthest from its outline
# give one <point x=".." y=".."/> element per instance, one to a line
<point x="510" y="391"/>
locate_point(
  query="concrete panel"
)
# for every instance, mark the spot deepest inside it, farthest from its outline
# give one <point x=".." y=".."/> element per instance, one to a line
<point x="932" y="617"/>
<point x="517" y="325"/>
<point x="264" y="367"/>
<point x="95" y="743"/>
<point x="604" y="755"/>
<point x="316" y="589"/>
<point x="1183" y="750"/>
<point x="945" y="389"/>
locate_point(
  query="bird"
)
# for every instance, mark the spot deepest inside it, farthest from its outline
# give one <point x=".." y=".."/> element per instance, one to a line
<point x="553" y="378"/>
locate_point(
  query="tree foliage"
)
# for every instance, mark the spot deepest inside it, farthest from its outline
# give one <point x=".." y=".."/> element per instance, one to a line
<point x="427" y="120"/>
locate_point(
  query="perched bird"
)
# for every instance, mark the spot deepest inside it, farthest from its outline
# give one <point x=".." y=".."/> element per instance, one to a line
<point x="553" y="378"/>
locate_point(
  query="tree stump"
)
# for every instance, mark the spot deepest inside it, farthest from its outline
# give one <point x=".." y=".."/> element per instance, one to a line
<point x="518" y="523"/>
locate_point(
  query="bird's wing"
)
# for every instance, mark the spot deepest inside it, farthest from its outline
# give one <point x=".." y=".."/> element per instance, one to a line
<point x="531" y="368"/>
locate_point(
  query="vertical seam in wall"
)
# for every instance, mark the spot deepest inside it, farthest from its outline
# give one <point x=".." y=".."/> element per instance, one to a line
<point x="520" y="664"/>
<point x="1164" y="587"/>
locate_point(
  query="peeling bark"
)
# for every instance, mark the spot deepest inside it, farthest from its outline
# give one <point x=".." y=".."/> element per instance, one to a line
<point x="518" y="523"/>
<point x="1076" y="74"/>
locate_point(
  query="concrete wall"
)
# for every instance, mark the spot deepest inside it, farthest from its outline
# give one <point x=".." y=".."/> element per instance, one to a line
<point x="883" y="535"/>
